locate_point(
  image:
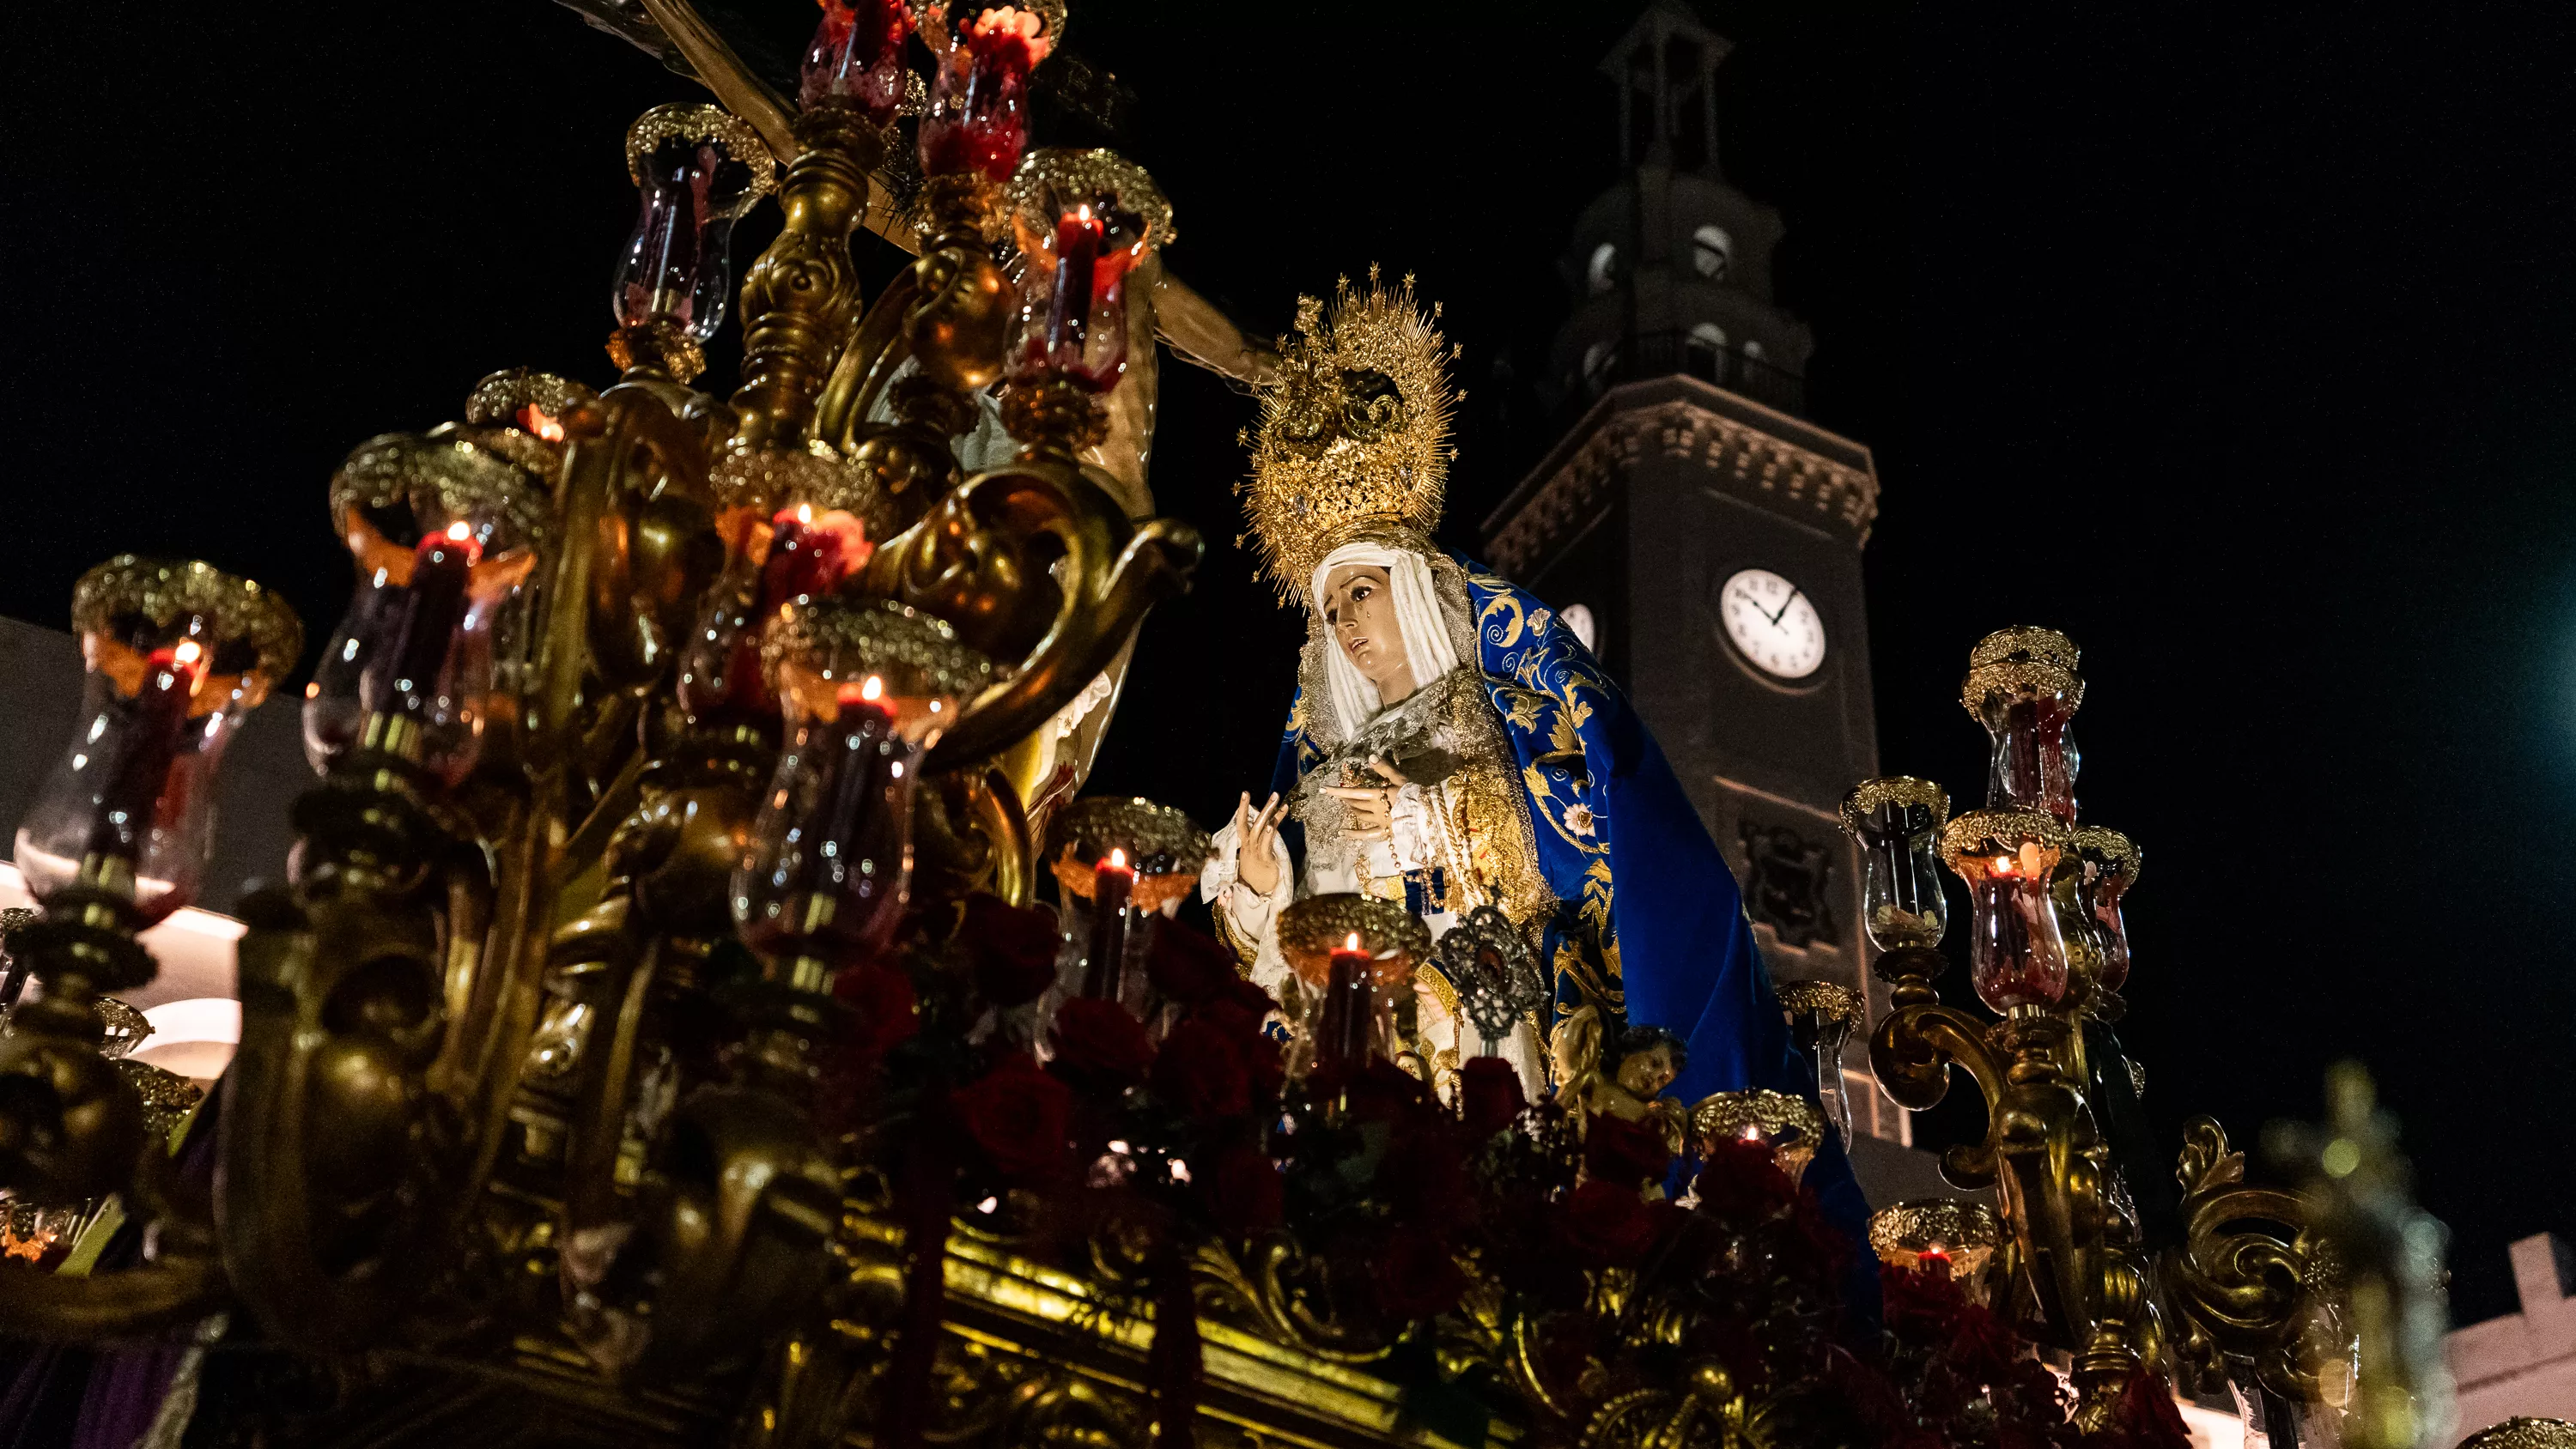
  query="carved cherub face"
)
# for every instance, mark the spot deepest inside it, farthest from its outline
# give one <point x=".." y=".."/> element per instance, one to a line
<point x="1333" y="409"/>
<point x="1644" y="1075"/>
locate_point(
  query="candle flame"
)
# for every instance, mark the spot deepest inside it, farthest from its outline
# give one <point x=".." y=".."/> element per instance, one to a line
<point x="188" y="652"/>
<point x="2003" y="865"/>
<point x="540" y="422"/>
<point x="1751" y="1132"/>
<point x="1353" y="943"/>
<point x="1117" y="860"/>
<point x="871" y="687"/>
<point x="804" y="513"/>
<point x="460" y="531"/>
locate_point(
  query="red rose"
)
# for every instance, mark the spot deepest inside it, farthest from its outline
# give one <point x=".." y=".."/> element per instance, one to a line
<point x="1202" y="1073"/>
<point x="1605" y="1225"/>
<point x="1424" y="1174"/>
<point x="882" y="1013"/>
<point x="1013" y="950"/>
<point x="1243" y="1191"/>
<point x="1018" y="1115"/>
<point x="1377" y="1090"/>
<point x="1489" y="1095"/>
<point x="1098" y="1041"/>
<point x="1627" y="1153"/>
<point x="1188" y="966"/>
<point x="1740" y="1181"/>
<point x="1415" y="1276"/>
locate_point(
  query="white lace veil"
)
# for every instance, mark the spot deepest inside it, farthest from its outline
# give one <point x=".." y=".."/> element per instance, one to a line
<point x="1417" y="613"/>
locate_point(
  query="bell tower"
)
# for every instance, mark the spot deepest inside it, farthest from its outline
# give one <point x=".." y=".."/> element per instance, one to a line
<point x="1702" y="536"/>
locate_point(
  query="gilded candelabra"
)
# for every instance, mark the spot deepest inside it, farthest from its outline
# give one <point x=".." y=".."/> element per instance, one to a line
<point x="2241" y="1296"/>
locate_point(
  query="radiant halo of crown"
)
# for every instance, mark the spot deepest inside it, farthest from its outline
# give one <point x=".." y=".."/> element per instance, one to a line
<point x="1354" y="437"/>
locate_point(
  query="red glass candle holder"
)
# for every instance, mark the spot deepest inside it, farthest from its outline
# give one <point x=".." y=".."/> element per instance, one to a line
<point x="865" y="687"/>
<point x="978" y="115"/>
<point x="1897" y="820"/>
<point x="1948" y="1237"/>
<point x="1119" y="863"/>
<point x="796" y="523"/>
<point x="1350" y="954"/>
<point x="2016" y="955"/>
<point x="1083" y="220"/>
<point x="1790" y="1127"/>
<point x="2109" y="862"/>
<point x="699" y="169"/>
<point x="2023" y="688"/>
<point x="856" y="59"/>
<point x="177" y="654"/>
<point x="444" y="535"/>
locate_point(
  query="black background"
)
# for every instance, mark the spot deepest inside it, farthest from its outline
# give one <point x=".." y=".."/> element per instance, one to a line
<point x="2237" y="345"/>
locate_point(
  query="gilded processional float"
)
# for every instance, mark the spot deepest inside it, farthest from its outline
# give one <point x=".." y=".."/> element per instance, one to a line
<point x="662" y="1039"/>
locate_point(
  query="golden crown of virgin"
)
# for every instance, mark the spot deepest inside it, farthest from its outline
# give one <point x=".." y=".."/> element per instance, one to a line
<point x="1354" y="437"/>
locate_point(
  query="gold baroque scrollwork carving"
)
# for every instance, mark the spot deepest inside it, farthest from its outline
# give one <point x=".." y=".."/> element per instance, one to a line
<point x="986" y="559"/>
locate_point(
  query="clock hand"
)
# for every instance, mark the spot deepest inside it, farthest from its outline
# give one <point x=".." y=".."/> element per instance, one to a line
<point x="1784" y="607"/>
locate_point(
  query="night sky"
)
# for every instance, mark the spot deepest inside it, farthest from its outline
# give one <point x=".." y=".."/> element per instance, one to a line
<point x="2240" y="348"/>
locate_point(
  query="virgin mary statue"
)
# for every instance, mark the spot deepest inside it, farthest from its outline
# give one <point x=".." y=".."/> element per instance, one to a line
<point x="1453" y="746"/>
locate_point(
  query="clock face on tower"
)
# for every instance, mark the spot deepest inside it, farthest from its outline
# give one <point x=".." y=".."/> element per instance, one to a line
<point x="1772" y="623"/>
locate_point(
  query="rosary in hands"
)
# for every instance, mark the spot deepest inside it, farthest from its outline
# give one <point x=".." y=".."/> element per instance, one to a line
<point x="1372" y="807"/>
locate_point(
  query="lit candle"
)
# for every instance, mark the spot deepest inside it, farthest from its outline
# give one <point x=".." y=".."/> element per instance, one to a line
<point x="127" y="806"/>
<point x="1341" y="1038"/>
<point x="441" y="566"/>
<point x="1935" y="1260"/>
<point x="1077" y="255"/>
<point x="1112" y="882"/>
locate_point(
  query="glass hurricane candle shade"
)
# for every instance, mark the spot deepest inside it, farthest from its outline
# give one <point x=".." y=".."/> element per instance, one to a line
<point x="978" y="117"/>
<point x="864" y="689"/>
<point x="440" y="534"/>
<point x="177" y="654"/>
<point x="2109" y="867"/>
<point x="2023" y="688"/>
<point x="2016" y="955"/>
<point x="1348" y="1018"/>
<point x="1350" y="955"/>
<point x="698" y="169"/>
<point x="856" y="59"/>
<point x="1118" y="863"/>
<point x="799" y="553"/>
<point x="1897" y="821"/>
<point x="1083" y="220"/>
<point x="1789" y="1127"/>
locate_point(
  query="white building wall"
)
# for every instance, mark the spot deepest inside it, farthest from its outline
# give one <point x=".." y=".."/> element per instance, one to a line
<point x="2523" y="1363"/>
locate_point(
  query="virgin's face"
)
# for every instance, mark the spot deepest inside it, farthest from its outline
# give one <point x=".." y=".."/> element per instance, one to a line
<point x="1359" y="612"/>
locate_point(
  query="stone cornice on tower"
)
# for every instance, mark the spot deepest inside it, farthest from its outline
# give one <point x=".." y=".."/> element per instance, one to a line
<point x="1765" y="458"/>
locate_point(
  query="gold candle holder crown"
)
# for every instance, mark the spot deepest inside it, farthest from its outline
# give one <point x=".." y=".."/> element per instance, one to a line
<point x="1869" y="796"/>
<point x="2522" y="1432"/>
<point x="1793" y="1126"/>
<point x="700" y="122"/>
<point x="2113" y="853"/>
<point x="1162" y="845"/>
<point x="2022" y="662"/>
<point x="1313" y="929"/>
<point x="1830" y="1004"/>
<point x="249" y="631"/>
<point x="1903" y="1234"/>
<point x="440" y="480"/>
<point x="1980" y="834"/>
<point x="767" y="479"/>
<point x="813" y="648"/>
